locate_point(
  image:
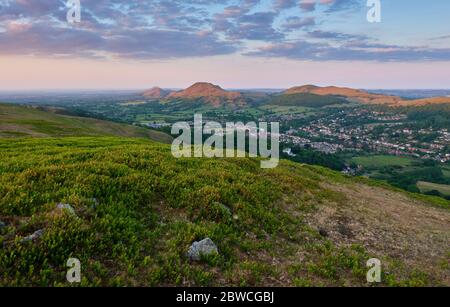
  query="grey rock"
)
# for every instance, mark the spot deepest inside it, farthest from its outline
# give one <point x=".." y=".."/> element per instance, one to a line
<point x="2" y="225"/>
<point x="205" y="247"/>
<point x="36" y="235"/>
<point x="67" y="208"/>
<point x="94" y="202"/>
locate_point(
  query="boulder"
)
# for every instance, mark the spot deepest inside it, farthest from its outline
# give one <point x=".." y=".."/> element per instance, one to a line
<point x="67" y="208"/>
<point x="36" y="235"/>
<point x="205" y="247"/>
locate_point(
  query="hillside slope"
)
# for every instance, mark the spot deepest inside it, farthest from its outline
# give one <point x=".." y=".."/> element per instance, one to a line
<point x="156" y="93"/>
<point x="209" y="94"/>
<point x="137" y="210"/>
<point x="21" y="121"/>
<point x="364" y="97"/>
<point x="306" y="100"/>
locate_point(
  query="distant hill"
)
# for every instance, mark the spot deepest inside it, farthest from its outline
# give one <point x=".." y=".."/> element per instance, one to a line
<point x="364" y="97"/>
<point x="156" y="93"/>
<point x="209" y="94"/>
<point x="425" y="101"/>
<point x="306" y="100"/>
<point x="24" y="121"/>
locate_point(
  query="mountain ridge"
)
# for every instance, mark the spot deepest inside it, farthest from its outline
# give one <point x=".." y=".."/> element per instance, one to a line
<point x="209" y="93"/>
<point x="362" y="96"/>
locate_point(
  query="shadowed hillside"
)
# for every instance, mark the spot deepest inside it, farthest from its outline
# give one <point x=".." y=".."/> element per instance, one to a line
<point x="19" y="121"/>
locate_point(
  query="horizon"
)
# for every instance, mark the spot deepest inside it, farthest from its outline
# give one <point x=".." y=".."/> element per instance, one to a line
<point x="68" y="90"/>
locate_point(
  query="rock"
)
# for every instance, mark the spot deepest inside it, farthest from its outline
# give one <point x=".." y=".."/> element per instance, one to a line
<point x="2" y="225"/>
<point x="94" y="203"/>
<point x="34" y="236"/>
<point x="345" y="231"/>
<point x="323" y="232"/>
<point x="67" y="208"/>
<point x="205" y="247"/>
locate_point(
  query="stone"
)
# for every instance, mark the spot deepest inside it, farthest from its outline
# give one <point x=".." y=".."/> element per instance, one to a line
<point x="94" y="203"/>
<point x="323" y="232"/>
<point x="36" y="235"/>
<point x="2" y="225"/>
<point x="345" y="231"/>
<point x="205" y="247"/>
<point x="66" y="207"/>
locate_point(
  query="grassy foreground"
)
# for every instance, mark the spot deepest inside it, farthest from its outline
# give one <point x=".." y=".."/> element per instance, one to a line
<point x="138" y="210"/>
<point x="25" y="121"/>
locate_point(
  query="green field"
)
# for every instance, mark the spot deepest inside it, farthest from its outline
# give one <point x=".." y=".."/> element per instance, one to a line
<point x="382" y="161"/>
<point x="446" y="171"/>
<point x="428" y="187"/>
<point x="19" y="121"/>
<point x="283" y="110"/>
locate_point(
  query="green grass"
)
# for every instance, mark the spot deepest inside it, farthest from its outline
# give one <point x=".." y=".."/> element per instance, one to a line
<point x="307" y="100"/>
<point x="138" y="209"/>
<point x="382" y="161"/>
<point x="283" y="110"/>
<point x="19" y="121"/>
<point x="428" y="187"/>
<point x="446" y="171"/>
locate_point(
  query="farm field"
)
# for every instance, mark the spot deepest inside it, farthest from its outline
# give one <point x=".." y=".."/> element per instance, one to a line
<point x="428" y="186"/>
<point x="382" y="161"/>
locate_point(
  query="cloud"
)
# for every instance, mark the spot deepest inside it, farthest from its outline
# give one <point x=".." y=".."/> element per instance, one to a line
<point x="319" y="34"/>
<point x="284" y="4"/>
<point x="308" y="5"/>
<point x="237" y="23"/>
<point x="131" y="29"/>
<point x="295" y="23"/>
<point x="352" y="51"/>
<point x="341" y="5"/>
<point x="162" y="29"/>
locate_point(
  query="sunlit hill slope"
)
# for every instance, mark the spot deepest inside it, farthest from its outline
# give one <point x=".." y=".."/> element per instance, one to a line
<point x="137" y="209"/>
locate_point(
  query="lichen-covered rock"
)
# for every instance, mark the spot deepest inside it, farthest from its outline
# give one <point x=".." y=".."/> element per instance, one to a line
<point x="67" y="208"/>
<point x="36" y="235"/>
<point x="205" y="247"/>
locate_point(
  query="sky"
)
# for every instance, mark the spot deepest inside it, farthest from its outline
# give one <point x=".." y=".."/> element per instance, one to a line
<point x="135" y="44"/>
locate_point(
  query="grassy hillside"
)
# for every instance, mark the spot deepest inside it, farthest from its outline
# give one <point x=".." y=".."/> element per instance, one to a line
<point x="306" y="100"/>
<point x="138" y="209"/>
<point x="19" y="121"/>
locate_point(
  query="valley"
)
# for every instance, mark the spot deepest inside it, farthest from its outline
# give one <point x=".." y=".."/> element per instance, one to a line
<point x="130" y="203"/>
<point x="327" y="126"/>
